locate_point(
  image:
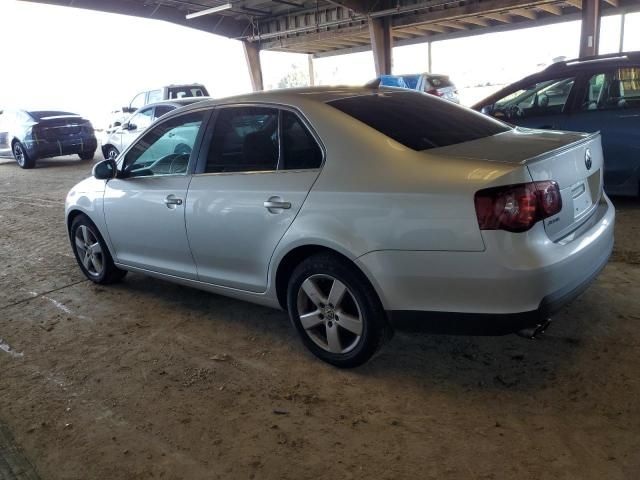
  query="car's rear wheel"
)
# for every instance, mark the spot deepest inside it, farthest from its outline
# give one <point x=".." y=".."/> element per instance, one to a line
<point x="336" y="311"/>
<point x="87" y="155"/>
<point x="92" y="253"/>
<point x="23" y="159"/>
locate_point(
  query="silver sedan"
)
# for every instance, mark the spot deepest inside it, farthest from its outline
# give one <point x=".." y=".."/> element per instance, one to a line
<point x="352" y="209"/>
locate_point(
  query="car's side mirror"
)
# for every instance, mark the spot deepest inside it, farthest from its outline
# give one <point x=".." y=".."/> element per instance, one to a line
<point x="105" y="170"/>
<point x="128" y="109"/>
<point x="117" y="124"/>
<point x="487" y="109"/>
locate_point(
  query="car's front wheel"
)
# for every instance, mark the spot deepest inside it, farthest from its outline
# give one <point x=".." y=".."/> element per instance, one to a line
<point x="92" y="253"/>
<point x="23" y="159"/>
<point x="336" y="311"/>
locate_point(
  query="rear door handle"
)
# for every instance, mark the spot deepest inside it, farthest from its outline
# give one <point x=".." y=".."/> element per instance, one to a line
<point x="276" y="203"/>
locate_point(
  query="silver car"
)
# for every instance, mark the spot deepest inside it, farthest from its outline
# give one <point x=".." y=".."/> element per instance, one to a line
<point x="119" y="138"/>
<point x="352" y="208"/>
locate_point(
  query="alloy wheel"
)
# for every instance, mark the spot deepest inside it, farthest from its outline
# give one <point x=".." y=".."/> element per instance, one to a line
<point x="330" y="314"/>
<point x="89" y="250"/>
<point x="18" y="153"/>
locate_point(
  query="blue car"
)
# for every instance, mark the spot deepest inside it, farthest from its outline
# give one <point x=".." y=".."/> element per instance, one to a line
<point x="438" y="85"/>
<point x="599" y="93"/>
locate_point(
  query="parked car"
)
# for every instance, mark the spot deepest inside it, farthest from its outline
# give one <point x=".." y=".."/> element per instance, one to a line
<point x="170" y="92"/>
<point x="438" y="85"/>
<point x="352" y="208"/>
<point x="34" y="134"/>
<point x="118" y="139"/>
<point x="592" y="94"/>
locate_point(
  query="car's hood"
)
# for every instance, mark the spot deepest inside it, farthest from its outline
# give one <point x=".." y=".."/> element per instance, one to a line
<point x="514" y="146"/>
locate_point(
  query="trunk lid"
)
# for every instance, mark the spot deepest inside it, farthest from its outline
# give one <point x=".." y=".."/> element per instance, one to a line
<point x="60" y="127"/>
<point x="573" y="160"/>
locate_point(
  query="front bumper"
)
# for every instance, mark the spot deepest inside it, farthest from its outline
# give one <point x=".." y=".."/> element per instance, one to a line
<point x="49" y="148"/>
<point x="518" y="279"/>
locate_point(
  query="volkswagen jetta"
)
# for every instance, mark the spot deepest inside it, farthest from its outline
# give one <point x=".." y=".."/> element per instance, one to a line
<point x="351" y="208"/>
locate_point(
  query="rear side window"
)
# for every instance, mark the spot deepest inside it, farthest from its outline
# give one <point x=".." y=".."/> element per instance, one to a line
<point x="618" y="89"/>
<point x="419" y="121"/>
<point x="245" y="139"/>
<point x="299" y="148"/>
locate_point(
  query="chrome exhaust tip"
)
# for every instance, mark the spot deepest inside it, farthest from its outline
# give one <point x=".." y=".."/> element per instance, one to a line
<point x="535" y="331"/>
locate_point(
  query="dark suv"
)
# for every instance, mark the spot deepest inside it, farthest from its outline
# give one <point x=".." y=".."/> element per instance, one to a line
<point x="596" y="93"/>
<point x="30" y="135"/>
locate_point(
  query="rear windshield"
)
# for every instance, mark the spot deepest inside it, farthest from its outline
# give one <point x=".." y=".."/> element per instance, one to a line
<point x="37" y="115"/>
<point x="419" y="121"/>
<point x="185" y="92"/>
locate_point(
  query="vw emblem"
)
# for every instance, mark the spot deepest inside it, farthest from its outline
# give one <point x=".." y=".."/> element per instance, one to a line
<point x="587" y="159"/>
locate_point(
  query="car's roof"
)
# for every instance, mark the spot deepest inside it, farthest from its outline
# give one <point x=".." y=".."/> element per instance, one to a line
<point x="597" y="61"/>
<point x="176" y="102"/>
<point x="297" y="95"/>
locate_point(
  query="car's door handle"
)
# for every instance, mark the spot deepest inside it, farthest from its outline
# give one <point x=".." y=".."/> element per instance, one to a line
<point x="172" y="200"/>
<point x="276" y="203"/>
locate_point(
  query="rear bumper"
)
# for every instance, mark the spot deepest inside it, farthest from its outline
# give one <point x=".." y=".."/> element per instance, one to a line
<point x="48" y="148"/>
<point x="516" y="281"/>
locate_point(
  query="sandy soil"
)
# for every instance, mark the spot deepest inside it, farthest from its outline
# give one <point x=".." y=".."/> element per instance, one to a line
<point x="147" y="379"/>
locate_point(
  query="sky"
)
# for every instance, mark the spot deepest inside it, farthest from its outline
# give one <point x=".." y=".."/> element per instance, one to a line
<point x="92" y="62"/>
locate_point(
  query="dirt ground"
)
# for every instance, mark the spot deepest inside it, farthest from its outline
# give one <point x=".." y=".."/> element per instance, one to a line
<point x="146" y="379"/>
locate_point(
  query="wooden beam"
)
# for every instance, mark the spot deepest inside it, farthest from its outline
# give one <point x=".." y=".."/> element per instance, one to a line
<point x="432" y="27"/>
<point x="500" y="17"/>
<point x="614" y="3"/>
<point x="554" y="9"/>
<point x="474" y="21"/>
<point x="574" y="3"/>
<point x="454" y="25"/>
<point x="523" y="12"/>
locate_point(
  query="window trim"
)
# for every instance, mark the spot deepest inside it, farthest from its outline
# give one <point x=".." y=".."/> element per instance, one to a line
<point x="208" y="137"/>
<point x="197" y="145"/>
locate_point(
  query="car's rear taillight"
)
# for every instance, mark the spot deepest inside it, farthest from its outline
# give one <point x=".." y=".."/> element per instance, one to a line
<point x="516" y="208"/>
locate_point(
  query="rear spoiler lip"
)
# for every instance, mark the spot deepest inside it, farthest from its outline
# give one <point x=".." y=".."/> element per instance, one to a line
<point x="569" y="146"/>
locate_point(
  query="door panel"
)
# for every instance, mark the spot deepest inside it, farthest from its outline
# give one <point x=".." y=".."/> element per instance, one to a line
<point x="231" y="232"/>
<point x="144" y="231"/>
<point x="144" y="207"/>
<point x="610" y="103"/>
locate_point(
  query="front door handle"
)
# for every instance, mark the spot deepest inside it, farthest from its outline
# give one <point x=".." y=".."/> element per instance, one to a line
<point x="172" y="201"/>
<point x="274" y="204"/>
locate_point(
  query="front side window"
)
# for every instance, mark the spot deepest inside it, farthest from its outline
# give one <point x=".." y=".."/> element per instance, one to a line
<point x="419" y="121"/>
<point x="543" y="98"/>
<point x="617" y="89"/>
<point x="141" y="120"/>
<point x="166" y="149"/>
<point x="245" y="139"/>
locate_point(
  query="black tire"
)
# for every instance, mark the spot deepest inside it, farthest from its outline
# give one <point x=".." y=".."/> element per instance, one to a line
<point x="110" y="152"/>
<point x="359" y="300"/>
<point x="109" y="273"/>
<point x="87" y="155"/>
<point x="23" y="159"/>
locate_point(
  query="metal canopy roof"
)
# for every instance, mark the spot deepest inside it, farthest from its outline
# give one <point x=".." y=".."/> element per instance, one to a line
<point x="329" y="27"/>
